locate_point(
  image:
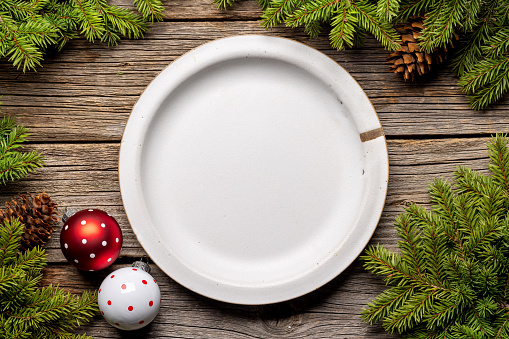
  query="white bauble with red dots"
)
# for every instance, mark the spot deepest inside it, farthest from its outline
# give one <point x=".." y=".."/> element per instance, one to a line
<point x="129" y="298"/>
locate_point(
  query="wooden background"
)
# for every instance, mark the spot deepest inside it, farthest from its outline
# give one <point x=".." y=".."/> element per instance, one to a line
<point x="77" y="105"/>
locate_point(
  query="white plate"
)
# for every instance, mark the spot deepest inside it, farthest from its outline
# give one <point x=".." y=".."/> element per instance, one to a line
<point x="253" y="169"/>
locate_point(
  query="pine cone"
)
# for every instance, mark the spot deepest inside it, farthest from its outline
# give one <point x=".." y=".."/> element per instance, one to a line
<point x="409" y="59"/>
<point x="37" y="213"/>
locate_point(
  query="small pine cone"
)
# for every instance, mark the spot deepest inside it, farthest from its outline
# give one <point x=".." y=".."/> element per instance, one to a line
<point x="37" y="213"/>
<point x="409" y="59"/>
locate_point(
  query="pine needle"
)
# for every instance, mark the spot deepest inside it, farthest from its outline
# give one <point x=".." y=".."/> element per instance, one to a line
<point x="29" y="28"/>
<point x="27" y="310"/>
<point x="450" y="278"/>
<point x="15" y="164"/>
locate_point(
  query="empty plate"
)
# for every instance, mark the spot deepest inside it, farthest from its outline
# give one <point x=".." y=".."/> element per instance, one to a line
<point x="253" y="169"/>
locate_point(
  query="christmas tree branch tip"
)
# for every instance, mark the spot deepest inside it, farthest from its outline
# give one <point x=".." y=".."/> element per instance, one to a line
<point x="30" y="28"/>
<point x="30" y="311"/>
<point x="450" y="277"/>
<point x="15" y="164"/>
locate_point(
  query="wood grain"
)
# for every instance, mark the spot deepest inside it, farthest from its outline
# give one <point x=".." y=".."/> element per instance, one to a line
<point x="204" y="10"/>
<point x="78" y="104"/>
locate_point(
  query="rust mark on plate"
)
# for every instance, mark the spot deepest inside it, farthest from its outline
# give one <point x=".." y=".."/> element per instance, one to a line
<point x="373" y="134"/>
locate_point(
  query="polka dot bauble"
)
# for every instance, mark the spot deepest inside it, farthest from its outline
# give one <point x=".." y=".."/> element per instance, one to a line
<point x="90" y="239"/>
<point x="129" y="298"/>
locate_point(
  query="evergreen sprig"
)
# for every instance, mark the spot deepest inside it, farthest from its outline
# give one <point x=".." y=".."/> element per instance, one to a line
<point x="29" y="311"/>
<point x="481" y="60"/>
<point x="28" y="28"/>
<point x="450" y="278"/>
<point x="15" y="164"/>
<point x="350" y="20"/>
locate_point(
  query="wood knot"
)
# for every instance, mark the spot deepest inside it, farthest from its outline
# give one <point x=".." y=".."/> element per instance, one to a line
<point x="280" y="319"/>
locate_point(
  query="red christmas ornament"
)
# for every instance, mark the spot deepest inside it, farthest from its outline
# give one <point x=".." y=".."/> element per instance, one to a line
<point x="90" y="239"/>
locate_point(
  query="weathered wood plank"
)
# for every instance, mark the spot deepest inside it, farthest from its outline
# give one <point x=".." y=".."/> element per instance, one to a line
<point x="204" y="10"/>
<point x="98" y="86"/>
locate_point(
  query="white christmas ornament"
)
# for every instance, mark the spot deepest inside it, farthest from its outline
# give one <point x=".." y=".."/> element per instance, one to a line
<point x="129" y="298"/>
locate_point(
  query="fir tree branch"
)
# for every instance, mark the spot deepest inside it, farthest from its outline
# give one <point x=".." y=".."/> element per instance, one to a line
<point x="279" y="10"/>
<point x="444" y="203"/>
<point x="83" y="309"/>
<point x="39" y="34"/>
<point x="19" y="292"/>
<point x="12" y="333"/>
<point x="126" y="22"/>
<point x="443" y="315"/>
<point x="435" y="245"/>
<point x="150" y="9"/>
<point x="382" y="262"/>
<point x="343" y="28"/>
<point x="411" y="312"/>
<point x="470" y="259"/>
<point x="494" y="258"/>
<point x="349" y="19"/>
<point x="425" y="219"/>
<point x="264" y="4"/>
<point x="18" y="165"/>
<point x="499" y="157"/>
<point x="22" y="53"/>
<point x="483" y="234"/>
<point x="393" y="297"/>
<point x="466" y="216"/>
<point x="9" y="280"/>
<point x="10" y="240"/>
<point x="15" y="137"/>
<point x="383" y="32"/>
<point x="6" y="125"/>
<point x="27" y="311"/>
<point x="308" y="12"/>
<point x="47" y="313"/>
<point x="471" y="183"/>
<point x="440" y="24"/>
<point x="498" y="44"/>
<point x="14" y="164"/>
<point x="478" y="319"/>
<point x="410" y="8"/>
<point x="312" y="28"/>
<point x="472" y="14"/>
<point x="471" y="52"/>
<point x="484" y="73"/>
<point x="487" y="82"/>
<point x="33" y="260"/>
<point x="387" y="10"/>
<point x="91" y="25"/>
<point x="411" y="246"/>
<point x="223" y="4"/>
<point x="29" y="27"/>
<point x="503" y="327"/>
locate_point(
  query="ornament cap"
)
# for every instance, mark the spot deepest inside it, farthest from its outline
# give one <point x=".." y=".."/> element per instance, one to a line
<point x="142" y="266"/>
<point x="69" y="213"/>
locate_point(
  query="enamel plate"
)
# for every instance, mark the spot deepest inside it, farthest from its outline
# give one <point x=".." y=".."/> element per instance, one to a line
<point x="253" y="169"/>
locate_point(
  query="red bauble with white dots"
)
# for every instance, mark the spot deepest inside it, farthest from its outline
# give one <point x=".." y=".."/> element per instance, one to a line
<point x="91" y="239"/>
<point x="129" y="298"/>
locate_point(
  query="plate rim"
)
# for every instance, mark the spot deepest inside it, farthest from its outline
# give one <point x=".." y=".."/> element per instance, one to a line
<point x="376" y="137"/>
